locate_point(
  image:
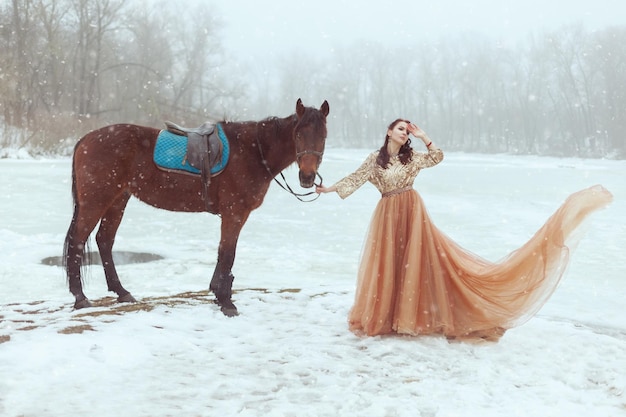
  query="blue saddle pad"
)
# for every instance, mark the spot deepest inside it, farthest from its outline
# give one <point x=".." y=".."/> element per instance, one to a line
<point x="170" y="153"/>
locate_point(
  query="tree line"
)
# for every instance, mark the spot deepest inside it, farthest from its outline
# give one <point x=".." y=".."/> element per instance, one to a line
<point x="71" y="65"/>
<point x="560" y="93"/>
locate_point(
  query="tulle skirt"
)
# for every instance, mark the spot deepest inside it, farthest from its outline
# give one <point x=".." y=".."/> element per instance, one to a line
<point x="413" y="279"/>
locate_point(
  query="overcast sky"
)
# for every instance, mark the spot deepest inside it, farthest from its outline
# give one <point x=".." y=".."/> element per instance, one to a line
<point x="251" y="26"/>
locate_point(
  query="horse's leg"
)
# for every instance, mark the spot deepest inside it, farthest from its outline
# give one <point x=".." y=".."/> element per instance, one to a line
<point x="105" y="238"/>
<point x="222" y="281"/>
<point x="83" y="223"/>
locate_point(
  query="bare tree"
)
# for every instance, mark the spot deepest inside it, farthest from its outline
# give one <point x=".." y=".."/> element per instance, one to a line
<point x="609" y="57"/>
<point x="18" y="33"/>
<point x="95" y="21"/>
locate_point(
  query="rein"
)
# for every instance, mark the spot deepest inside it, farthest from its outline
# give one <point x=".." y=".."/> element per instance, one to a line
<point x="286" y="186"/>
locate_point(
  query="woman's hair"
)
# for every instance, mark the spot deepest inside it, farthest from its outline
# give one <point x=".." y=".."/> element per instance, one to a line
<point x="405" y="154"/>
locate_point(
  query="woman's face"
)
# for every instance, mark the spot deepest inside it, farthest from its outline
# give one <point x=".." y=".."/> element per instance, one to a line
<point x="399" y="134"/>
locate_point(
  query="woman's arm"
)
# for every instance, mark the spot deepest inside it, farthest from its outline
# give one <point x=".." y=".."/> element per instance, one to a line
<point x="349" y="184"/>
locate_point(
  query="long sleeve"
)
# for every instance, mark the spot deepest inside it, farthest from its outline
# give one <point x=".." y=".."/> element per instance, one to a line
<point x="352" y="182"/>
<point x="430" y="159"/>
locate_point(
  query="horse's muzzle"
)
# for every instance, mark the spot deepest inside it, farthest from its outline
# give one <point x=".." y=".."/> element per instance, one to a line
<point x="307" y="180"/>
<point x="308" y="162"/>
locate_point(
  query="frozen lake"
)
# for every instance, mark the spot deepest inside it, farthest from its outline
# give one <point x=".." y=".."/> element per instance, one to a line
<point x="289" y="352"/>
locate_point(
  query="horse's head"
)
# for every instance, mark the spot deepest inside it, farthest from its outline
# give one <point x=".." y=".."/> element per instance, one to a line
<point x="310" y="138"/>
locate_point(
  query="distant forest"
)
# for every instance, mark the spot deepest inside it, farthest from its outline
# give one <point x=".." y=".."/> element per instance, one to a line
<point x="69" y="66"/>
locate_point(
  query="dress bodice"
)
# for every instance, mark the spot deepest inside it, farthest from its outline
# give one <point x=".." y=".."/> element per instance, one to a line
<point x="395" y="176"/>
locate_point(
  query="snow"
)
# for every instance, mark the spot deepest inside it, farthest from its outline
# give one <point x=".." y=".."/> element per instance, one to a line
<point x="289" y="353"/>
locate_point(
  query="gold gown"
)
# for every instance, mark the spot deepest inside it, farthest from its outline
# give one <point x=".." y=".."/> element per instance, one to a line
<point x="414" y="280"/>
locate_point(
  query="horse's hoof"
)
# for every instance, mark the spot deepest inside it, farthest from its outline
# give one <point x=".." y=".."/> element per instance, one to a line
<point x="127" y="298"/>
<point x="230" y="312"/>
<point x="84" y="303"/>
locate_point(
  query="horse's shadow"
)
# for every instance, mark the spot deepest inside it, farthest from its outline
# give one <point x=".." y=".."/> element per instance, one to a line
<point x="120" y="258"/>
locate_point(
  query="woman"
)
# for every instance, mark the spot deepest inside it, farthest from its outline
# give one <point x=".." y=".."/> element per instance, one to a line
<point x="413" y="279"/>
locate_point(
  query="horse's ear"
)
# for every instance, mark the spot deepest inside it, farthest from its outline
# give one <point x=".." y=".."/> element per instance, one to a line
<point x="325" y="109"/>
<point x="299" y="108"/>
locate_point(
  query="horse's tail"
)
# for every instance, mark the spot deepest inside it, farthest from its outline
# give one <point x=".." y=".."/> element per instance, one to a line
<point x="84" y="254"/>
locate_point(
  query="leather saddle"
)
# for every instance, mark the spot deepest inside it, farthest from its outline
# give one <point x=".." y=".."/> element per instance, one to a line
<point x="204" y="150"/>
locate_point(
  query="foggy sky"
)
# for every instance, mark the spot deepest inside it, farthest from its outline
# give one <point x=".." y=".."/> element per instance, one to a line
<point x="252" y="28"/>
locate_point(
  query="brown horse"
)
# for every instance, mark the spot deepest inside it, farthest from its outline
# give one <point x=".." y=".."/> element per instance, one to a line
<point x="113" y="163"/>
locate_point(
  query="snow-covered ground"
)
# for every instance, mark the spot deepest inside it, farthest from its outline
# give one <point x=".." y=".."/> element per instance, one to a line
<point x="289" y="353"/>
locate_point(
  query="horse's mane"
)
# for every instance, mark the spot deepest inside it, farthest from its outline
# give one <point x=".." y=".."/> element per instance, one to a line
<point x="278" y="121"/>
<point x="310" y="116"/>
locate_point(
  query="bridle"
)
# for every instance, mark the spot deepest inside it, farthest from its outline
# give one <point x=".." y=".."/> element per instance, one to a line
<point x="306" y="152"/>
<point x="286" y="187"/>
